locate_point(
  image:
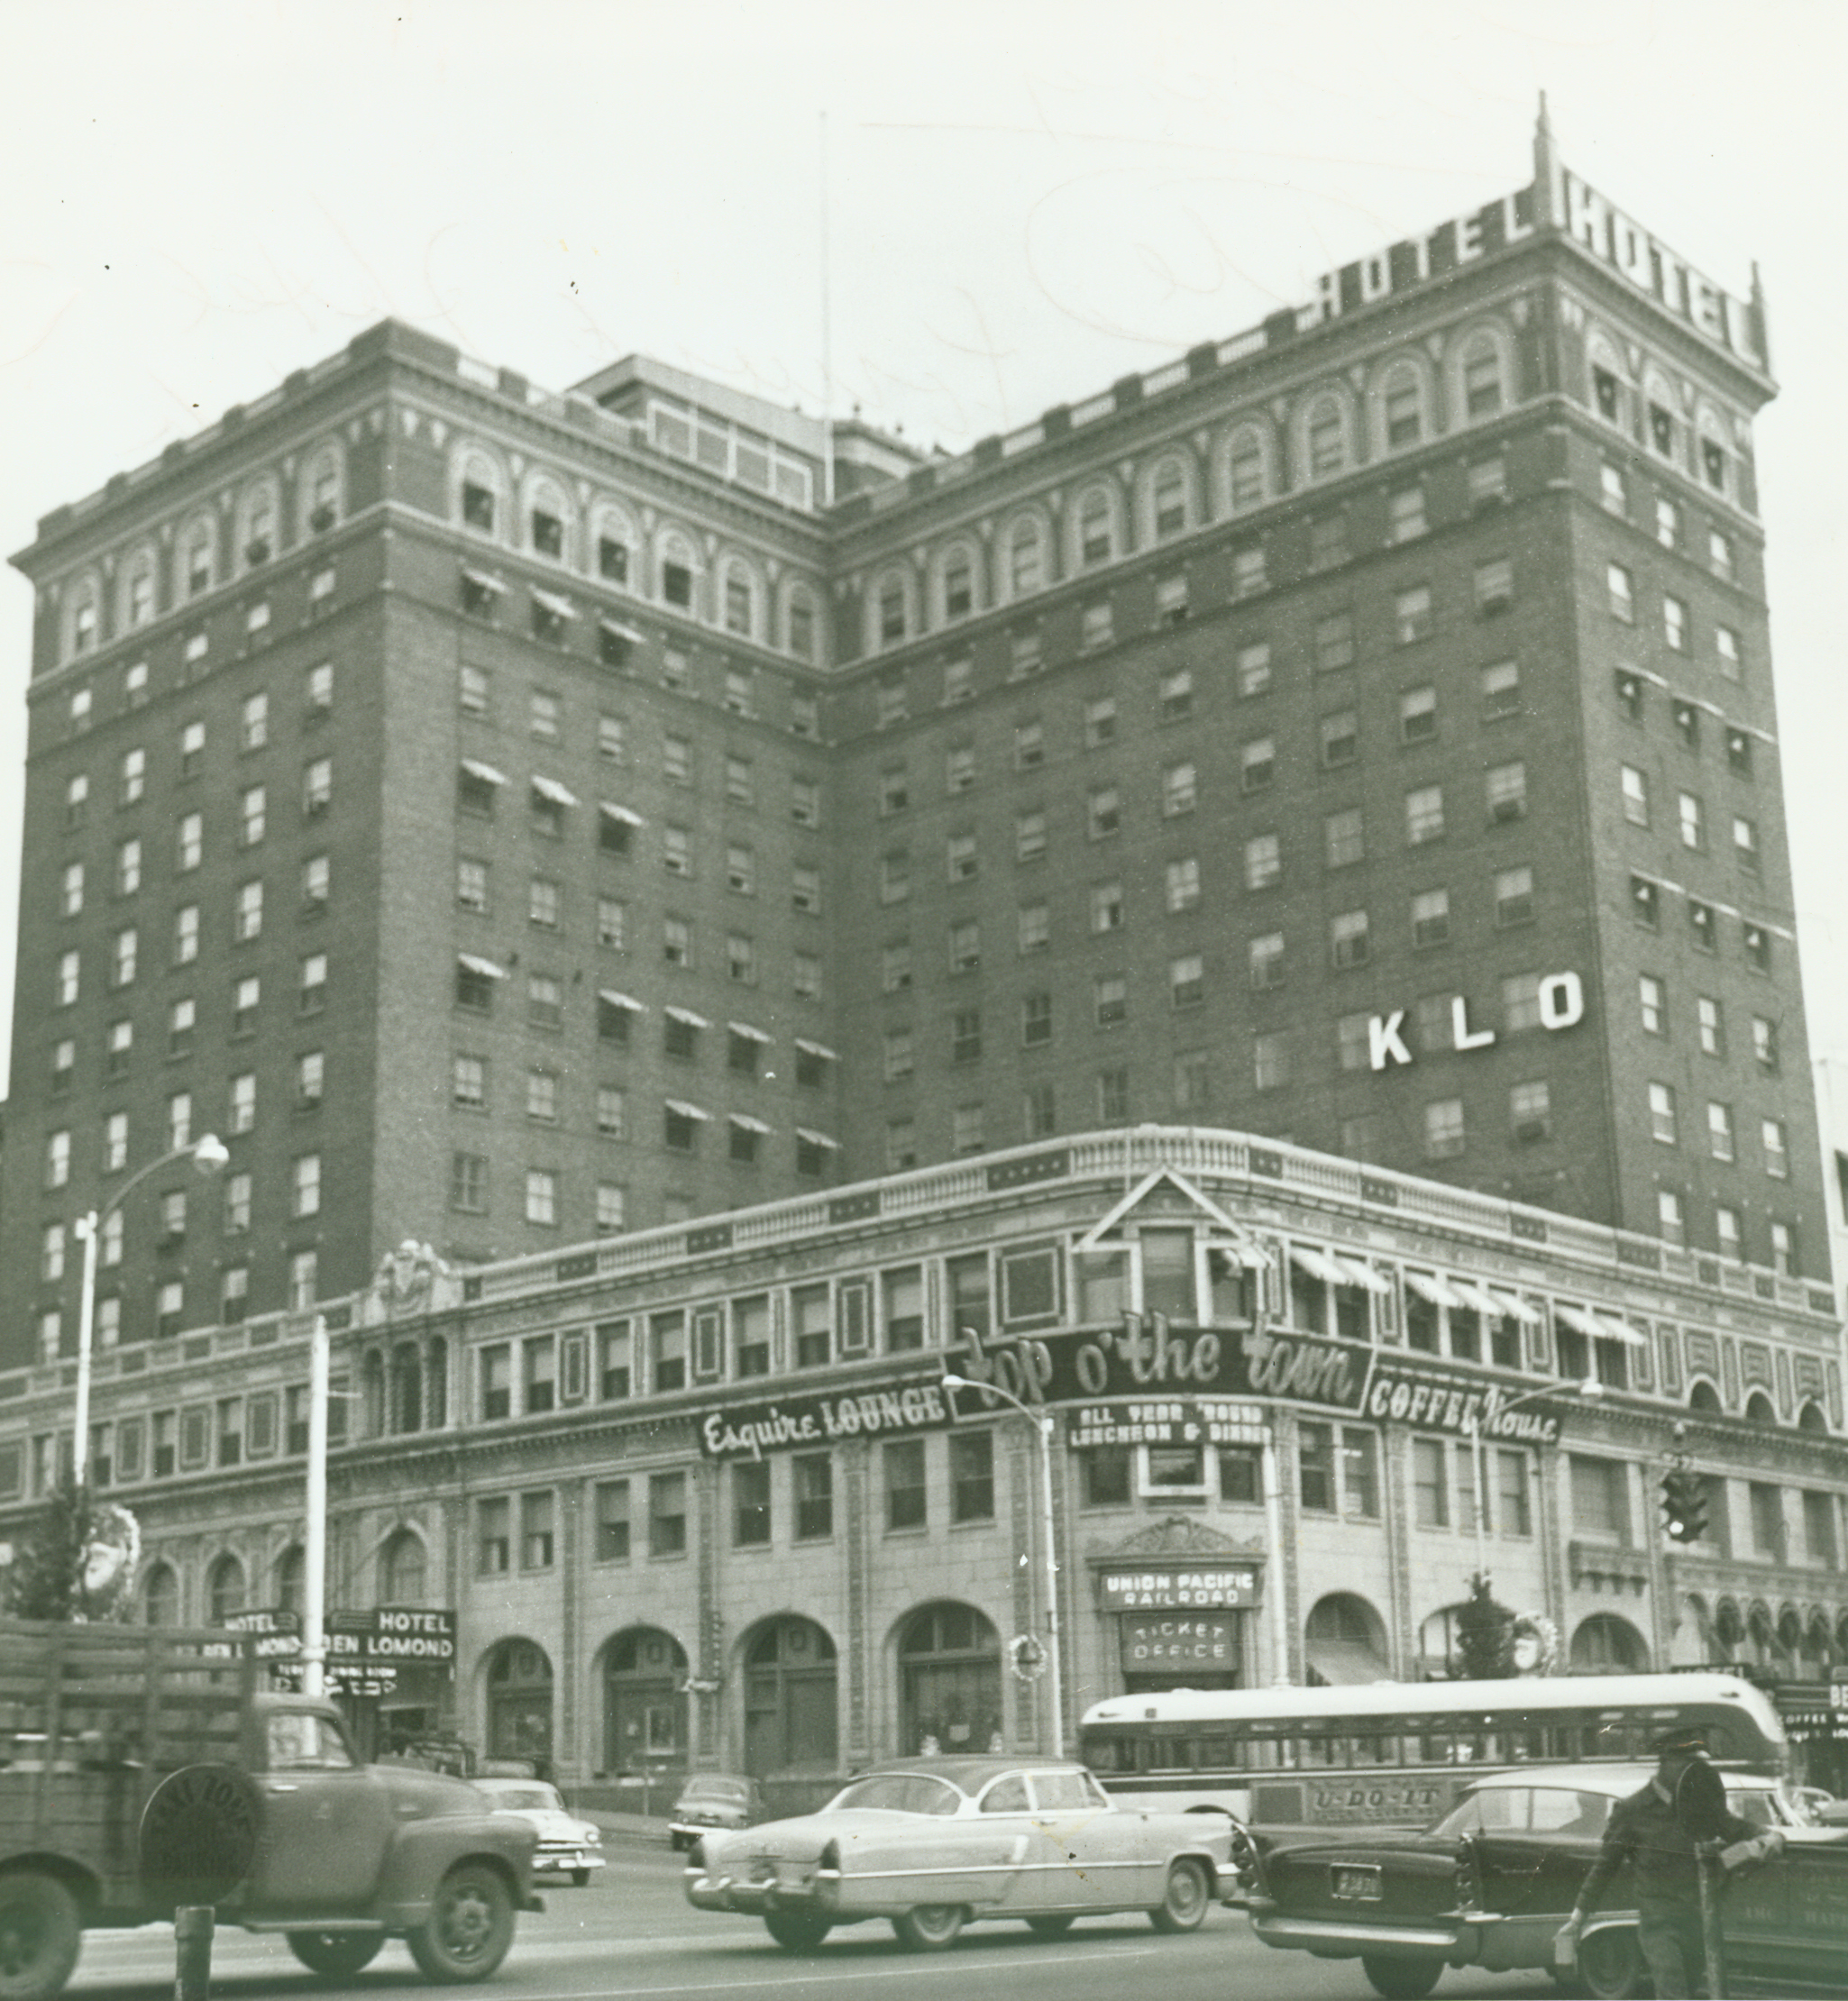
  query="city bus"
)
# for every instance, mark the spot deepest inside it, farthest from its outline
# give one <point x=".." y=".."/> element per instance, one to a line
<point x="1398" y="1753"/>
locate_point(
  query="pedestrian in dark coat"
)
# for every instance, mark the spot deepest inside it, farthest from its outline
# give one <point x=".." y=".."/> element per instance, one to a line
<point x="1659" y="1830"/>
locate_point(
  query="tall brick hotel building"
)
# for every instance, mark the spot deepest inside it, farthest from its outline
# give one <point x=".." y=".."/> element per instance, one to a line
<point x="1343" y="760"/>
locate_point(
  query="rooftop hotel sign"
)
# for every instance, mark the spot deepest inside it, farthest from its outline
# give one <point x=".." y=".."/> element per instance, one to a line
<point x="1590" y="220"/>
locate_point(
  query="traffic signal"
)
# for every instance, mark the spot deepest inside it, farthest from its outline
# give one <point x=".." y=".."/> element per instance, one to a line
<point x="1684" y="1505"/>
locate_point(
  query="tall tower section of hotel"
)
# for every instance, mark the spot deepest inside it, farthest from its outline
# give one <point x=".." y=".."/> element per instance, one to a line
<point x="504" y="817"/>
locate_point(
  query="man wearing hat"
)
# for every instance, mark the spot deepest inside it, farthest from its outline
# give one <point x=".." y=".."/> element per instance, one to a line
<point x="1657" y="1831"/>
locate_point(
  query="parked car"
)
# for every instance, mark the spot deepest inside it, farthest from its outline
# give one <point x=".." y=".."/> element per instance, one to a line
<point x="1490" y="1884"/>
<point x="714" y="1799"/>
<point x="932" y="1844"/>
<point x="567" y="1845"/>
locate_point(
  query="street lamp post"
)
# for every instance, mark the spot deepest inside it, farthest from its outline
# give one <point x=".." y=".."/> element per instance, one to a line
<point x="1042" y="1422"/>
<point x="1590" y="1388"/>
<point x="207" y="1154"/>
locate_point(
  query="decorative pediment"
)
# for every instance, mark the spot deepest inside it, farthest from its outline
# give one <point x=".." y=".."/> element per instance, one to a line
<point x="1179" y="1535"/>
<point x="1166" y="1194"/>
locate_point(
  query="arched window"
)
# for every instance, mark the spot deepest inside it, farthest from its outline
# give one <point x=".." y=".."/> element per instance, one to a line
<point x="645" y="1702"/>
<point x="1324" y="438"/>
<point x="1762" y="1631"/>
<point x="256" y="524"/>
<point x="197" y="557"/>
<point x="1841" y="1637"/>
<point x="437" y="1386"/>
<point x="1790" y="1631"/>
<point x="406" y="1389"/>
<point x="1168" y="504"/>
<point x="799" y="624"/>
<point x="1094" y="528"/>
<point x="1605" y="1644"/>
<point x="83" y="618"/>
<point x="1716" y="450"/>
<point x="548" y="519"/>
<point x="291" y="1577"/>
<point x="1818" y="1644"/>
<point x="1402" y="420"/>
<point x="519" y="1704"/>
<point x="1483" y="391"/>
<point x="678" y="569"/>
<point x="1609" y="379"/>
<point x="1664" y="428"/>
<point x="161" y="1595"/>
<point x="613" y="544"/>
<point x="1810" y="1418"/>
<point x="1760" y="1409"/>
<point x="225" y="1589"/>
<point x="320" y="495"/>
<point x="478" y="498"/>
<point x="949" y="1681"/>
<point x="1344" y="1641"/>
<point x="739" y="596"/>
<point x="403" y="1569"/>
<point x="138" y="588"/>
<point x="1023" y="545"/>
<point x="892" y="609"/>
<point x="790" y="1704"/>
<point x="1703" y="1396"/>
<point x="955" y="583"/>
<point x="1729" y="1623"/>
<point x="372" y="1395"/>
<point x="1244" y="480"/>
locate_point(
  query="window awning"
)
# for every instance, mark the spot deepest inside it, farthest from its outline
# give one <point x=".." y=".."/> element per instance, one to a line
<point x="482" y="580"/>
<point x="612" y="811"/>
<point x="1241" y="1252"/>
<point x="560" y="608"/>
<point x="1319" y="1264"/>
<point x="475" y="768"/>
<point x="748" y="1032"/>
<point x="617" y="1000"/>
<point x="744" y="1120"/>
<point x="1477" y="1298"/>
<point x="818" y="1139"/>
<point x="1430" y="1287"/>
<point x="1364" y="1275"/>
<point x="485" y="968"/>
<point x="1529" y="1316"/>
<point x="684" y="1110"/>
<point x="1600" y="1327"/>
<point x="1346" y="1663"/>
<point x="549" y="788"/>
<point x="817" y="1049"/>
<point x="686" y="1015"/>
<point x="617" y="630"/>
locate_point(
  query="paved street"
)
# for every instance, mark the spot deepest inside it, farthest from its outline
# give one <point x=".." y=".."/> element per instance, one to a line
<point x="632" y="1933"/>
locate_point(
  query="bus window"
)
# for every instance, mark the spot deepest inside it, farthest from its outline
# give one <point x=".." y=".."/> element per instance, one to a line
<point x="1215" y="1753"/>
<point x="1168" y="1754"/>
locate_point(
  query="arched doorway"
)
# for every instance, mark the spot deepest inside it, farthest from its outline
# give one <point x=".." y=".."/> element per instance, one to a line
<point x="225" y="1589"/>
<point x="1344" y="1643"/>
<point x="1605" y="1644"/>
<point x="644" y="1704"/>
<point x="949" y="1680"/>
<point x="791" y="1712"/>
<point x="161" y="1595"/>
<point x="403" y="1570"/>
<point x="519" y="1704"/>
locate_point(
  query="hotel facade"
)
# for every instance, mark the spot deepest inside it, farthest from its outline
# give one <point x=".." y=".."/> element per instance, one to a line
<point x="639" y="857"/>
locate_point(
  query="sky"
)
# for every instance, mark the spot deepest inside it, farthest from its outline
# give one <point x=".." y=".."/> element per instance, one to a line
<point x="950" y="215"/>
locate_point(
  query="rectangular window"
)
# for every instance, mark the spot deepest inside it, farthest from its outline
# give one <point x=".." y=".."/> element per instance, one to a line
<point x="667" y="1514"/>
<point x="1334" y="642"/>
<point x="1263" y="861"/>
<point x="902" y="1302"/>
<point x="1430" y="918"/>
<point x="1692" y="815"/>
<point x="1506" y="791"/>
<point x="1635" y="787"/>
<point x="1264" y="960"/>
<point x="1418" y="715"/>
<point x="1620" y="593"/>
<point x="1777" y="1148"/>
<point x="1343" y="839"/>
<point x="1430" y="1494"/>
<point x="1033" y="927"/>
<point x="1183" y="883"/>
<point x="1412" y="615"/>
<point x="1186" y="981"/>
<point x="1110" y="997"/>
<point x="1103" y="813"/>
<point x="612" y="1530"/>
<point x="1530" y="1112"/>
<point x="750" y="1504"/>
<point x="1316" y="1467"/>
<point x="1106" y="907"/>
<point x="493" y="1536"/>
<point x="963" y="863"/>
<point x="1444" y="1133"/>
<point x="1501" y="689"/>
<point x="1180" y="790"/>
<point x="1175" y="693"/>
<point x="1513" y="895"/>
<point x="1405" y="514"/>
<point x="1340" y="737"/>
<point x="1675" y="624"/>
<point x="1030" y="837"/>
<point x="1252" y="667"/>
<point x="1493" y="587"/>
<point x="536" y="1532"/>
<point x="1662" y="1121"/>
<point x="905" y="1494"/>
<point x="972" y="1475"/>
<point x="811" y="1481"/>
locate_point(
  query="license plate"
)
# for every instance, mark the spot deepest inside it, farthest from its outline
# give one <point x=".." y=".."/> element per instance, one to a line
<point x="1361" y="1884"/>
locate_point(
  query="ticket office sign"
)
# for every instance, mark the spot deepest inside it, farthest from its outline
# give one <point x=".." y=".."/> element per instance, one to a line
<point x="1181" y="1645"/>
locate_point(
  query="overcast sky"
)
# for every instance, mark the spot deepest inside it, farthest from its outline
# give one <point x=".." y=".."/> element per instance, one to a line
<point x="1027" y="200"/>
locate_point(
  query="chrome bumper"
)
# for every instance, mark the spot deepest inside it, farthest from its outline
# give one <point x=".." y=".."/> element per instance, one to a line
<point x="1346" y="1938"/>
<point x="707" y="1890"/>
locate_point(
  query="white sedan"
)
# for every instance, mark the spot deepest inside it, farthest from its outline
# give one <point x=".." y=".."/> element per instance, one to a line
<point x="931" y="1843"/>
<point x="567" y="1845"/>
